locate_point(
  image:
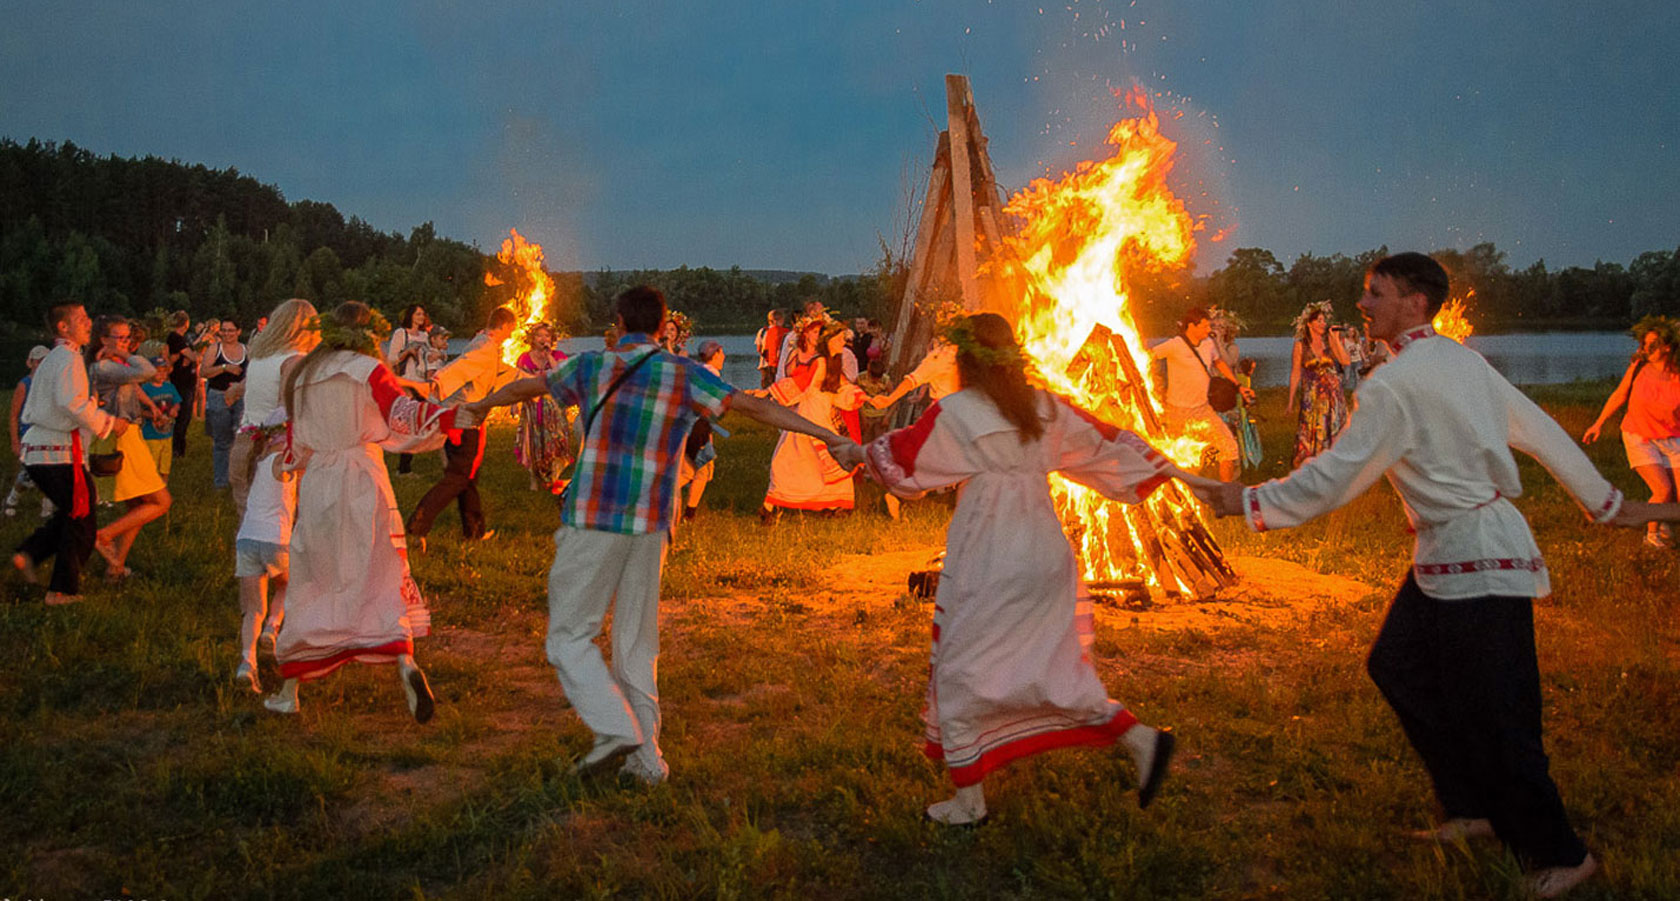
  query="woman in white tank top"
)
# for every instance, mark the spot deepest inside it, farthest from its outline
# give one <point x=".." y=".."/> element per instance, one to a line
<point x="287" y="335"/>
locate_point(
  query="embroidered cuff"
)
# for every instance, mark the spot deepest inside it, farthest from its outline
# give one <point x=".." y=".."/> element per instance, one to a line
<point x="1251" y="508"/>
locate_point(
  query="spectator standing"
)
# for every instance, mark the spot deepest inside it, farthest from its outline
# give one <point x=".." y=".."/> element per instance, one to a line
<point x="768" y="343"/>
<point x="61" y="419"/>
<point x="1192" y="358"/>
<point x="22" y="483"/>
<point x="183" y="374"/>
<point x="221" y="413"/>
<point x="158" y="430"/>
<point x="407" y="353"/>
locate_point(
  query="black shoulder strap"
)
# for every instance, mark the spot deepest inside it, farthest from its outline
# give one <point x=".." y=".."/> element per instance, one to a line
<point x="1195" y="353"/>
<point x="613" y="388"/>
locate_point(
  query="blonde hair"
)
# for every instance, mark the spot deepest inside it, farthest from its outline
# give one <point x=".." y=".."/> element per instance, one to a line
<point x="288" y="329"/>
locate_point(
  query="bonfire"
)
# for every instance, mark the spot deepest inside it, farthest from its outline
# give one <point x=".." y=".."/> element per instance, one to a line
<point x="1080" y="241"/>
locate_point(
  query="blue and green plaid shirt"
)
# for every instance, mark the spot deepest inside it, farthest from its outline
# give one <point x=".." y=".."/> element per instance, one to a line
<point x="626" y="476"/>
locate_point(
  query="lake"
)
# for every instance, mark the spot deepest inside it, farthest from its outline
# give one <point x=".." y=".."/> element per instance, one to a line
<point x="1526" y="359"/>
<point x="1547" y="358"/>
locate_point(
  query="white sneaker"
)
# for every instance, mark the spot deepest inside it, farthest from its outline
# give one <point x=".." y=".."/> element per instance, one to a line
<point x="645" y="773"/>
<point x="247" y="674"/>
<point x="608" y="751"/>
<point x="284" y="700"/>
<point x="417" y="689"/>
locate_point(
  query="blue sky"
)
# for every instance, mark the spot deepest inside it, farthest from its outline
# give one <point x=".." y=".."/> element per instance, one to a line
<point x="789" y="135"/>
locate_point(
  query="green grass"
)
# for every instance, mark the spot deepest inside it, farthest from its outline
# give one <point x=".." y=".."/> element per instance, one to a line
<point x="132" y="766"/>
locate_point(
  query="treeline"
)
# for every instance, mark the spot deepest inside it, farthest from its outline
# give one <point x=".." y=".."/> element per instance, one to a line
<point x="129" y="235"/>
<point x="132" y="235"/>
<point x="1268" y="295"/>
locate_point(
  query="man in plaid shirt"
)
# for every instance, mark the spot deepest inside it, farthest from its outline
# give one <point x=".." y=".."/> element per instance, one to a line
<point x="636" y="404"/>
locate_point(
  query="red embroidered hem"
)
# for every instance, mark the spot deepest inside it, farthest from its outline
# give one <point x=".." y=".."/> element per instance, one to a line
<point x="999" y="756"/>
<point x="809" y="505"/>
<point x="306" y="670"/>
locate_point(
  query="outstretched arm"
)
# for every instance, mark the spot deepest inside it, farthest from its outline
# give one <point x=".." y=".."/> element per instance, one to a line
<point x="1614" y="403"/>
<point x="771" y="413"/>
<point x="507" y="395"/>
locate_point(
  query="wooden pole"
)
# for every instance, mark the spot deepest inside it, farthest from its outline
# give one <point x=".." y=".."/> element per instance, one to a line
<point x="939" y="185"/>
<point x="958" y="101"/>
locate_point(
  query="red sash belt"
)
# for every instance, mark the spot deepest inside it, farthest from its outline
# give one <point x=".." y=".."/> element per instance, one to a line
<point x="79" y="490"/>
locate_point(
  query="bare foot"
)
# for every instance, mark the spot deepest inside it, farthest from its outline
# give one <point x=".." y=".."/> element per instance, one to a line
<point x="108" y="549"/>
<point x="1456" y="829"/>
<point x="26" y="568"/>
<point x="57" y="598"/>
<point x="1554" y="881"/>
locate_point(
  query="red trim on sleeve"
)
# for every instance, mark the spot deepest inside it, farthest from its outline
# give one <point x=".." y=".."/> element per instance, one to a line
<point x="386" y="390"/>
<point x="1147" y="487"/>
<point x="906" y="443"/>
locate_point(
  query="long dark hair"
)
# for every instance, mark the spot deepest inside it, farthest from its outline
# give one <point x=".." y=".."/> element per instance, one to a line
<point x="989" y="359"/>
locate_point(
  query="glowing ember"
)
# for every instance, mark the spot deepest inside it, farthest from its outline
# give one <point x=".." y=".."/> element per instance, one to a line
<point x="533" y="291"/>
<point x="1081" y="239"/>
<point x="1450" y="320"/>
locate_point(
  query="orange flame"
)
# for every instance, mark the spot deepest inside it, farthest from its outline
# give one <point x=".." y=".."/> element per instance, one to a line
<point x="1450" y="321"/>
<point x="534" y="294"/>
<point x="1082" y="238"/>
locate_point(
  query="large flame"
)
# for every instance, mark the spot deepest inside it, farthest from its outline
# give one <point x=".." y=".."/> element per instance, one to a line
<point x="1082" y="238"/>
<point x="1450" y="321"/>
<point x="533" y="291"/>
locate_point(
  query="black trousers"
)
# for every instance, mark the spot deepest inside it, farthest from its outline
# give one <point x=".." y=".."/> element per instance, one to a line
<point x="69" y="538"/>
<point x="459" y="484"/>
<point x="1462" y="677"/>
<point x="183" y="418"/>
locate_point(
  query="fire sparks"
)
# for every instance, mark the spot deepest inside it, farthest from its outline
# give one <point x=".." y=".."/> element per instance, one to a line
<point x="533" y="290"/>
<point x="1450" y="321"/>
<point x="1081" y="240"/>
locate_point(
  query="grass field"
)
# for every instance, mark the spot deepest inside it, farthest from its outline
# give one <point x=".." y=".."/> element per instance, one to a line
<point x="792" y="676"/>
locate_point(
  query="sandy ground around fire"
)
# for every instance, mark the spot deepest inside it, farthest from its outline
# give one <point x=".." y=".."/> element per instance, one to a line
<point x="1270" y="593"/>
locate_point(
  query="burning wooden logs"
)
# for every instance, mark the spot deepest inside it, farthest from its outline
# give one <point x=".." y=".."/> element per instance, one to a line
<point x="1163" y="541"/>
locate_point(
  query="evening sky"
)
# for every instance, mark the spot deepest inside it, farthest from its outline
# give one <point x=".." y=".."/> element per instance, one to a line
<point x="789" y="135"/>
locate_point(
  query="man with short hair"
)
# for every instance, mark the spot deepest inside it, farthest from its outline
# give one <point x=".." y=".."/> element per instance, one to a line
<point x="1455" y="656"/>
<point x="636" y="405"/>
<point x="768" y="343"/>
<point x="61" y="420"/>
<point x="1192" y="357"/>
<point x="471" y="376"/>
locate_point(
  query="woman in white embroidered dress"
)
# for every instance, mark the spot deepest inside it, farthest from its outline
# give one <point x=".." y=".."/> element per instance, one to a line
<point x="803" y="476"/>
<point x="1011" y="673"/>
<point x="351" y="597"/>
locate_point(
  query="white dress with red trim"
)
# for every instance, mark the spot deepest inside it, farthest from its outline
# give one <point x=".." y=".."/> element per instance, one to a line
<point x="802" y="474"/>
<point x="351" y="597"/>
<point x="1011" y="673"/>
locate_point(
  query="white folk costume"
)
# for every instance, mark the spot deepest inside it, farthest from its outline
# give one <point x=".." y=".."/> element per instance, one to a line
<point x="1451" y="465"/>
<point x="1011" y="673"/>
<point x="351" y="596"/>
<point x="803" y="476"/>
<point x="1455" y="657"/>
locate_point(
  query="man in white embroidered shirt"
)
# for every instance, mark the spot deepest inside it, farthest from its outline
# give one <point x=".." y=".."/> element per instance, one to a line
<point x="1455" y="656"/>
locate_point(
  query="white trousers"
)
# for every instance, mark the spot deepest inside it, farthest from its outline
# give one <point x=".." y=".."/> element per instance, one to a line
<point x="591" y="570"/>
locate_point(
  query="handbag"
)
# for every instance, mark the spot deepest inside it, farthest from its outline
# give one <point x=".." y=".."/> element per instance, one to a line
<point x="105" y="465"/>
<point x="1221" y="391"/>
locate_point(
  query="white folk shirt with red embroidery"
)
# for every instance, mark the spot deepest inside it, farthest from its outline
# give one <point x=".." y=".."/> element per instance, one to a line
<point x="1440" y="422"/>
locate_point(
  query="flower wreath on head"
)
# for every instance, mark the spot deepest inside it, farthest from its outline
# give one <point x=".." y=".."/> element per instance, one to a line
<point x="1306" y="316"/>
<point x="1668" y="330"/>
<point x="959" y="333"/>
<point x="682" y="328"/>
<point x="1226" y="321"/>
<point x="363" y="339"/>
